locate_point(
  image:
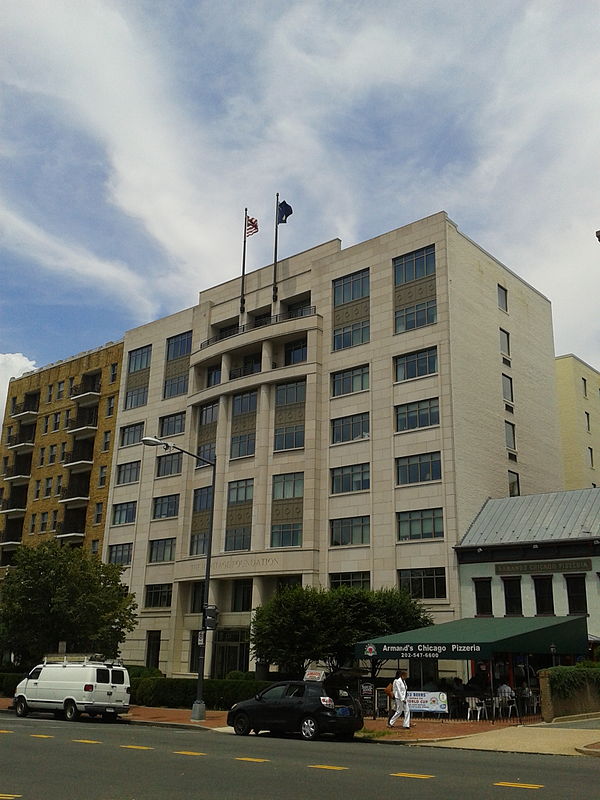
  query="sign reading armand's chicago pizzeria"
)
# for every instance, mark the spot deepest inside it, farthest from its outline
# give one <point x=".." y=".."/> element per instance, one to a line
<point x="570" y="565"/>
<point x="421" y="650"/>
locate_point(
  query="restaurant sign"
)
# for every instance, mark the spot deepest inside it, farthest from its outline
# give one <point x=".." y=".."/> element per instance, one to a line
<point x="390" y="650"/>
<point x="538" y="567"/>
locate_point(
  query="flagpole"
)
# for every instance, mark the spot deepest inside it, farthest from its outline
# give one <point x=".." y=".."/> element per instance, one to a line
<point x="242" y="298"/>
<point x="275" y="249"/>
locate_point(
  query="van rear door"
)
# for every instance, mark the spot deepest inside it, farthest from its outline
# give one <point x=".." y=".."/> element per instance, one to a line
<point x="119" y="687"/>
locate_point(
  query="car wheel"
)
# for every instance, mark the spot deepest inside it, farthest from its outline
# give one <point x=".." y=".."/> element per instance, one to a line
<point x="309" y="728"/>
<point x="241" y="724"/>
<point x="21" y="707"/>
<point x="71" y="712"/>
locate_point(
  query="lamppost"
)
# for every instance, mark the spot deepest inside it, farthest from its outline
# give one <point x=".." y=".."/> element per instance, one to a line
<point x="199" y="707"/>
<point x="553" y="651"/>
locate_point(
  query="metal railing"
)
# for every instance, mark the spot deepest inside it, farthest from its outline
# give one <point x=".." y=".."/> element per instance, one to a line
<point x="22" y="408"/>
<point x="307" y="311"/>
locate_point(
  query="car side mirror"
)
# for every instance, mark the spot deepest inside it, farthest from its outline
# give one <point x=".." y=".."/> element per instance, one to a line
<point x="257" y="697"/>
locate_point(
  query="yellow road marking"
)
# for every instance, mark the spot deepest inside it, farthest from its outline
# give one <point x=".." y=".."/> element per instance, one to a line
<point x="134" y="747"/>
<point x="258" y="760"/>
<point x="409" y="775"/>
<point x="324" y="766"/>
<point x="9" y="796"/>
<point x="6" y="732"/>
<point x="188" y="753"/>
<point x="40" y="736"/>
<point x="87" y="741"/>
<point x="520" y="785"/>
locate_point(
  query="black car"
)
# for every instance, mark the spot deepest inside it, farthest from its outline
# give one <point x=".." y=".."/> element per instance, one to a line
<point x="307" y="707"/>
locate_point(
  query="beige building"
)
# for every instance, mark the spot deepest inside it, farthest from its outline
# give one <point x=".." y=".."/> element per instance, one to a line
<point x="578" y="390"/>
<point x="359" y="421"/>
<point x="55" y="453"/>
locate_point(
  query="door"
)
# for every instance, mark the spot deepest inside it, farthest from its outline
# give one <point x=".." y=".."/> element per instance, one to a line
<point x="269" y="711"/>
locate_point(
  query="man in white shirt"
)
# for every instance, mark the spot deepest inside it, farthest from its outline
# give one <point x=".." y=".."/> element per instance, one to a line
<point x="402" y="707"/>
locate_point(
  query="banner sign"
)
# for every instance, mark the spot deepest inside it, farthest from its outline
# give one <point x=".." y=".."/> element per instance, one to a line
<point x="435" y="702"/>
<point x="572" y="565"/>
<point x="451" y="651"/>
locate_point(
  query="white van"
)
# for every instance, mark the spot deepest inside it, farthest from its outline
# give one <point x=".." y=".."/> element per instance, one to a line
<point x="72" y="685"/>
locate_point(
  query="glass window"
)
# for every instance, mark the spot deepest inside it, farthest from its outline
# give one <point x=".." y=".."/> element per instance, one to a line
<point x="507" y="388"/>
<point x="58" y="484"/>
<point x="209" y="413"/>
<point x="140" y="358"/>
<point x="544" y="597"/>
<point x="98" y="509"/>
<point x="176" y="386"/>
<point x="169" y="464"/>
<point x="419" y="468"/>
<point x="162" y="550"/>
<point x="286" y="534"/>
<point x="351" y="428"/>
<point x="135" y="398"/>
<point x="422" y="414"/>
<point x="213" y="375"/>
<point x="172" y="424"/>
<point x="106" y="438"/>
<point x="513" y="605"/>
<point x="102" y="470"/>
<point x="502" y="298"/>
<point x="197" y="597"/>
<point x="423" y="523"/>
<point x="165" y="506"/>
<point x="414" y="265"/>
<point x="289" y="437"/>
<point x="124" y="512"/>
<point x="350" y="530"/>
<point x="243" y="444"/>
<point x="113" y="372"/>
<point x="198" y="544"/>
<point x="206" y="451"/>
<point x="52" y="453"/>
<point x="288" y="485"/>
<point x="504" y="342"/>
<point x="48" y="487"/>
<point x="56" y="421"/>
<point x="425" y="583"/>
<point x="60" y="390"/>
<point x="240" y="491"/>
<point x="509" y="434"/>
<point x="416" y="365"/>
<point x="158" y="595"/>
<point x="120" y="553"/>
<point x="241" y="595"/>
<point x="128" y="473"/>
<point x="110" y="406"/>
<point x="351" y="335"/>
<point x="514" y="484"/>
<point x="295" y="352"/>
<point x="350" y="287"/>
<point x="131" y="434"/>
<point x="43" y="521"/>
<point x="356" y="580"/>
<point x="202" y="498"/>
<point x="180" y="345"/>
<point x="576" y="594"/>
<point x="244" y="403"/>
<point x="483" y="597"/>
<point x="348" y="381"/>
<point x="415" y="316"/>
<point x="237" y="538"/>
<point x="353" y="478"/>
<point x="289" y="393"/>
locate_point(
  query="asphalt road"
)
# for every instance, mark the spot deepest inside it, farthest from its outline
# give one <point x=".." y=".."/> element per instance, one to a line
<point x="92" y="760"/>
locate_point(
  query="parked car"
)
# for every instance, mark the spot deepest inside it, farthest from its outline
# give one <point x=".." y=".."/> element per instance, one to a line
<point x="307" y="707"/>
<point x="70" y="685"/>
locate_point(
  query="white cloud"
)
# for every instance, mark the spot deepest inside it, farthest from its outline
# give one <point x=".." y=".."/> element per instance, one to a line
<point x="12" y="365"/>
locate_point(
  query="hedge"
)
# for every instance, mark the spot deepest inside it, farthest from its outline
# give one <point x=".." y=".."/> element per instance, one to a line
<point x="567" y="681"/>
<point x="181" y="692"/>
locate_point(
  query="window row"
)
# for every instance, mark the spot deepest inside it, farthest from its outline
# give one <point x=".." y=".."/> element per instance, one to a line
<point x="543" y="591"/>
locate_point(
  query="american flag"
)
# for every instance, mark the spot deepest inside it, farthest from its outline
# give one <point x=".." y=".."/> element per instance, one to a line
<point x="251" y="226"/>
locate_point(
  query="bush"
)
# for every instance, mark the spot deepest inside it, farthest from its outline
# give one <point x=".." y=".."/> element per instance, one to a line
<point x="181" y="692"/>
<point x="8" y="683"/>
<point x="137" y="671"/>
<point x="567" y="681"/>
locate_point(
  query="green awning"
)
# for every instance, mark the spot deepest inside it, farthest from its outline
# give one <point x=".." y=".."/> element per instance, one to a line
<point x="480" y="638"/>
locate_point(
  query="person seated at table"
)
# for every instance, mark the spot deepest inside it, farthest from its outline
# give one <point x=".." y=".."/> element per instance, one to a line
<point x="506" y="691"/>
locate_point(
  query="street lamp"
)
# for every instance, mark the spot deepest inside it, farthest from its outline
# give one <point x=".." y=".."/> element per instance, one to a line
<point x="199" y="707"/>
<point x="553" y="651"/>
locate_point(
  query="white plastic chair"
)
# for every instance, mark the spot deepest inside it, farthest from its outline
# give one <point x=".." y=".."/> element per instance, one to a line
<point x="506" y="702"/>
<point x="476" y="706"/>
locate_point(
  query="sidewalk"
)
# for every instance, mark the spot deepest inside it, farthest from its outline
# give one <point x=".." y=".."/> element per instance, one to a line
<point x="467" y="735"/>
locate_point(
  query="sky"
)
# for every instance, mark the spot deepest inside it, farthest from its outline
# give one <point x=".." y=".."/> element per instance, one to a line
<point x="133" y="133"/>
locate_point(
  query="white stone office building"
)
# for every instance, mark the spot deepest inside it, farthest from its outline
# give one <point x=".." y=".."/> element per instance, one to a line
<point x="360" y="413"/>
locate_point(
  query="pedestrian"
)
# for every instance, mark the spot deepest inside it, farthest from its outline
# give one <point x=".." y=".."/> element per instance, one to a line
<point x="402" y="707"/>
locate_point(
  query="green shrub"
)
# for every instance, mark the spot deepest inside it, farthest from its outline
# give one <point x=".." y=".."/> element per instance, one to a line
<point x="181" y="692"/>
<point x="136" y="671"/>
<point x="567" y="681"/>
<point x="8" y="683"/>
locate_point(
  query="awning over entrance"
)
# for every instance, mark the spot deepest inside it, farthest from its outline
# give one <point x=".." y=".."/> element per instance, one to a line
<point x="480" y="638"/>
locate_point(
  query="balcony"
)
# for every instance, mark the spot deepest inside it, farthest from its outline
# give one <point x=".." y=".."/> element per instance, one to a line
<point x="261" y="322"/>
<point x="87" y="393"/>
<point x="76" y="496"/>
<point x="18" y="475"/>
<point x="70" y="531"/>
<point x="79" y="460"/>
<point x="21" y="442"/>
<point x="85" y="424"/>
<point x="14" y="506"/>
<point x="26" y="411"/>
<point x="10" y="538"/>
<point x="242" y="372"/>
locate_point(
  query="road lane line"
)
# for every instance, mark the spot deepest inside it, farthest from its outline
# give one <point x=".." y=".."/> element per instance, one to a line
<point x="134" y="747"/>
<point x="87" y="741"/>
<point x="409" y="775"/>
<point x="325" y="766"/>
<point x="6" y="732"/>
<point x="40" y="736"/>
<point x="257" y="760"/>
<point x="9" y="796"/>
<point x="520" y="785"/>
<point x="187" y="753"/>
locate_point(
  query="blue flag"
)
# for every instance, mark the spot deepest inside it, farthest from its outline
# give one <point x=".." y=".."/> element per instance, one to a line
<point x="284" y="210"/>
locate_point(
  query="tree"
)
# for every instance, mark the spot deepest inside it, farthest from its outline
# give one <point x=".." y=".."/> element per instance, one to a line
<point x="300" y="625"/>
<point x="58" y="594"/>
